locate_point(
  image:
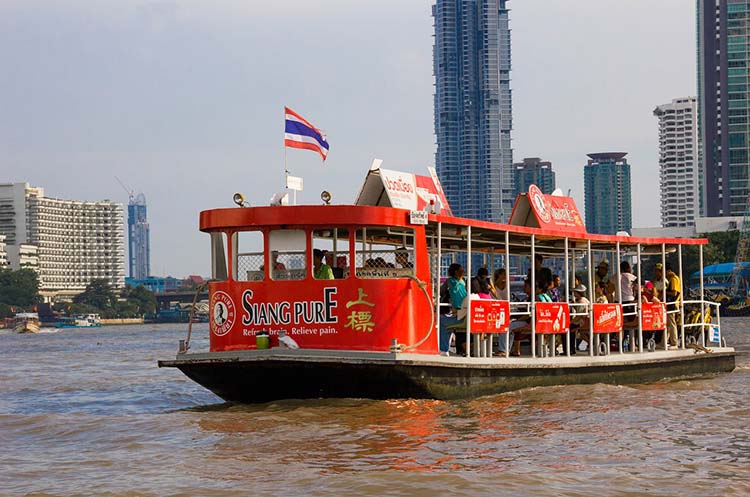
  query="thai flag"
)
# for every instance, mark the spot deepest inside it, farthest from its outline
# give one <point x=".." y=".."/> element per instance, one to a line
<point x="299" y="133"/>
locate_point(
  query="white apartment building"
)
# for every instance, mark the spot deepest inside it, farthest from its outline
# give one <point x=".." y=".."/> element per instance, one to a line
<point x="69" y="242"/>
<point x="23" y="256"/>
<point x="678" y="162"/>
<point x="3" y="253"/>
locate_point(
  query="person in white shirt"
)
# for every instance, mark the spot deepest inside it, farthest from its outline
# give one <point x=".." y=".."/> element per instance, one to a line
<point x="627" y="283"/>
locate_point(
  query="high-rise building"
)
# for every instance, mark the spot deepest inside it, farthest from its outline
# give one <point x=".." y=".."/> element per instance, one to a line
<point x="533" y="171"/>
<point x="139" y="261"/>
<point x="607" y="193"/>
<point x="678" y="163"/>
<point x="69" y="242"/>
<point x="473" y="117"/>
<point x="724" y="105"/>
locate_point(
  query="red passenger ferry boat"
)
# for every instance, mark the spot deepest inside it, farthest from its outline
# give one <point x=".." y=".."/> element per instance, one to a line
<point x="365" y="320"/>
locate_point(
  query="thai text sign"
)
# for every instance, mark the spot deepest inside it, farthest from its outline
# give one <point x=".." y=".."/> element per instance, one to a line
<point x="414" y="192"/>
<point x="653" y="315"/>
<point x="489" y="316"/>
<point x="552" y="317"/>
<point x="607" y="318"/>
<point x="401" y="188"/>
<point x="555" y="212"/>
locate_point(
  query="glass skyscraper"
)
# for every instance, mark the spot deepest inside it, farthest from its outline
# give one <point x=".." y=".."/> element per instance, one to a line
<point x="473" y="119"/>
<point x="138" y="238"/>
<point x="533" y="170"/>
<point x="724" y="105"/>
<point x="607" y="193"/>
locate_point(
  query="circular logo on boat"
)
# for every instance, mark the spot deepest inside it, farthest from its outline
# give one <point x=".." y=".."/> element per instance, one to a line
<point x="222" y="313"/>
<point x="540" y="206"/>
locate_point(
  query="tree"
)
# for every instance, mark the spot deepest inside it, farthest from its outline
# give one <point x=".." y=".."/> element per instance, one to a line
<point x="722" y="247"/>
<point x="128" y="309"/>
<point x="19" y="288"/>
<point x="98" y="294"/>
<point x="143" y="298"/>
<point x="6" y="311"/>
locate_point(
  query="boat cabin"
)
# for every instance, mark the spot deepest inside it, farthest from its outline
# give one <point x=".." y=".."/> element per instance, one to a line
<point x="367" y="277"/>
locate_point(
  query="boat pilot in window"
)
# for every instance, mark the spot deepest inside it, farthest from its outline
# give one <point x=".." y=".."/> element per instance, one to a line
<point x="321" y="270"/>
<point x="402" y="258"/>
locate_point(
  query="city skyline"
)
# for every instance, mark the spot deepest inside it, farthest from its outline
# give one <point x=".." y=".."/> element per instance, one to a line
<point x="187" y="100"/>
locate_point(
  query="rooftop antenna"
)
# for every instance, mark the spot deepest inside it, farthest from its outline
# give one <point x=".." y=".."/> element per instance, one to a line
<point x="131" y="193"/>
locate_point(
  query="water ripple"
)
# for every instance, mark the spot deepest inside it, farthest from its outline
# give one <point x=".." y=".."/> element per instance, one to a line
<point x="89" y="413"/>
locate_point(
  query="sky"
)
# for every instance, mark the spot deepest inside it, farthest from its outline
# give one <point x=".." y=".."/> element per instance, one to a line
<point x="183" y="100"/>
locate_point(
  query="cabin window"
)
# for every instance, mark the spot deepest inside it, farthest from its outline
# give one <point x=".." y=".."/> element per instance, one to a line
<point x="335" y="244"/>
<point x="248" y="247"/>
<point x="384" y="252"/>
<point x="287" y="254"/>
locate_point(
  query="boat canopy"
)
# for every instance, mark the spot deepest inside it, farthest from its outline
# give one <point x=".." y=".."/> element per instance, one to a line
<point x="719" y="276"/>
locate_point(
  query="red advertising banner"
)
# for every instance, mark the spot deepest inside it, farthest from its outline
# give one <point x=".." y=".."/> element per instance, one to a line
<point x="653" y="315"/>
<point x="555" y="212"/>
<point x="490" y="316"/>
<point x="346" y="314"/>
<point x="607" y="318"/>
<point x="552" y="317"/>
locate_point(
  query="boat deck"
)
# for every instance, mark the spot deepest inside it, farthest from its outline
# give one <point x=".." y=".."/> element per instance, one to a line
<point x="349" y="357"/>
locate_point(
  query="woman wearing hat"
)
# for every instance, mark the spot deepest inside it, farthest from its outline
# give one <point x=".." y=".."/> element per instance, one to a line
<point x="647" y="293"/>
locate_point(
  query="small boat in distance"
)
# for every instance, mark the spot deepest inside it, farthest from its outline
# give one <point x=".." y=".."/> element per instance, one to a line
<point x="79" y="321"/>
<point x="26" y="322"/>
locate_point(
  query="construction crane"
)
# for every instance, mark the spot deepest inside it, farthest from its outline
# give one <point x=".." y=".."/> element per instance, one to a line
<point x="131" y="193"/>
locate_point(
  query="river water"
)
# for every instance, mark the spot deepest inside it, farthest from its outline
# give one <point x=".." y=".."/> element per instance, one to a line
<point x="87" y="412"/>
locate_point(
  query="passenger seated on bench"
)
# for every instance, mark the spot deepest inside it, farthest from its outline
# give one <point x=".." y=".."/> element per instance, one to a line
<point x="499" y="284"/>
<point x="601" y="293"/>
<point x="454" y="290"/>
<point x="275" y="261"/>
<point x="521" y="327"/>
<point x="481" y="285"/>
<point x="580" y="322"/>
<point x="647" y="293"/>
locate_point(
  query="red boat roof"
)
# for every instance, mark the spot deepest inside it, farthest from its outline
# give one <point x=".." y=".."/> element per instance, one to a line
<point x="239" y="219"/>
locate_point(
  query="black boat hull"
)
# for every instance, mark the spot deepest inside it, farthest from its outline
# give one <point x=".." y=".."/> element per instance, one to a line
<point x="256" y="378"/>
